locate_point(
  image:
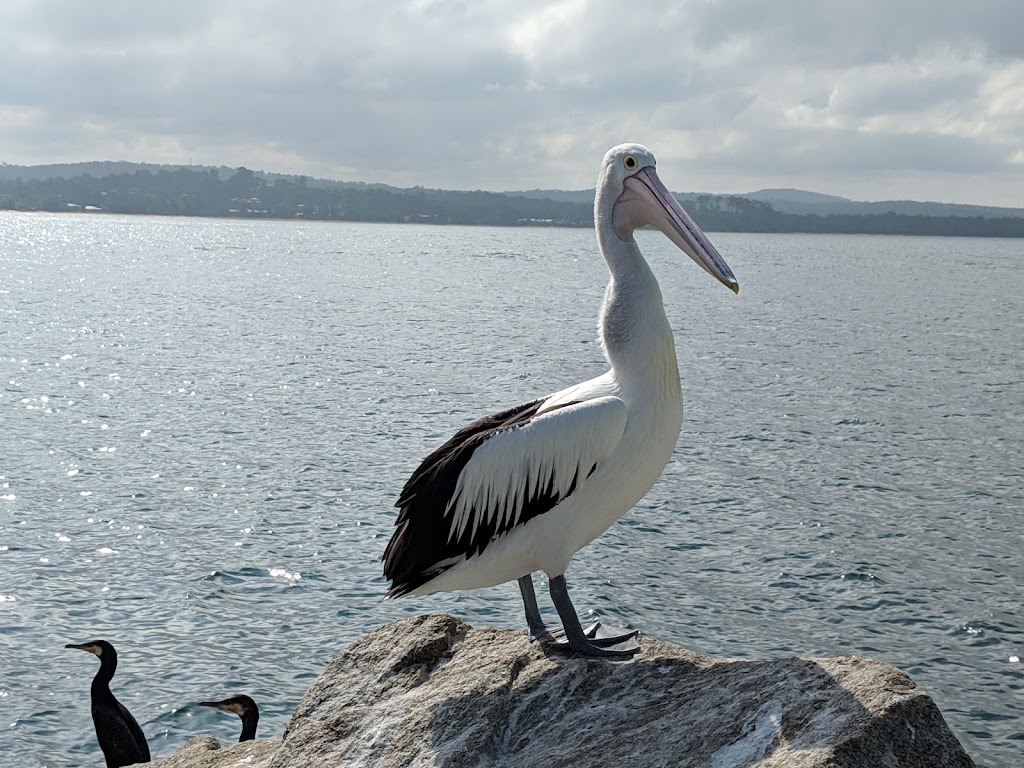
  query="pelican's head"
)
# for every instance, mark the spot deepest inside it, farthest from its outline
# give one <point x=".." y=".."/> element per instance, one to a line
<point x="629" y="184"/>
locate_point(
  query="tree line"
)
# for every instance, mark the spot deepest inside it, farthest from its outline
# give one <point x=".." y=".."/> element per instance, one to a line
<point x="245" y="193"/>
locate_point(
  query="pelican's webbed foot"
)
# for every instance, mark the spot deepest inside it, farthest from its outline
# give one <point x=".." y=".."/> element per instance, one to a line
<point x="594" y="640"/>
<point x="598" y="640"/>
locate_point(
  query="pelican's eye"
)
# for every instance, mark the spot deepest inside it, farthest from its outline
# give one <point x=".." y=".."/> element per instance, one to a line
<point x="630" y="163"/>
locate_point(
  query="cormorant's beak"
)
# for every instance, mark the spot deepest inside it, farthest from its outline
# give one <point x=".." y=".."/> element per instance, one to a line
<point x="646" y="200"/>
<point x="87" y="647"/>
<point x="227" y="707"/>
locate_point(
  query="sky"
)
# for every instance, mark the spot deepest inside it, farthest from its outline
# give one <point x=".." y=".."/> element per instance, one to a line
<point x="868" y="99"/>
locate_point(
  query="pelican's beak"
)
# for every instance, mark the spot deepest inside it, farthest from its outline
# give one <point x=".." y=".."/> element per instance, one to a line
<point x="650" y="202"/>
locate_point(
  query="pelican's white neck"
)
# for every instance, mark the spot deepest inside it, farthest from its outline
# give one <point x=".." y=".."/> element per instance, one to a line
<point x="635" y="331"/>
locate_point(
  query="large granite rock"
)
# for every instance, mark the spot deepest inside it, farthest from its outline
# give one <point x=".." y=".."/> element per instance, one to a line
<point x="206" y="752"/>
<point x="433" y="691"/>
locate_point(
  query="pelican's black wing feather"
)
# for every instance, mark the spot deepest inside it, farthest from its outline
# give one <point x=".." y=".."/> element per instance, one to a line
<point x="421" y="539"/>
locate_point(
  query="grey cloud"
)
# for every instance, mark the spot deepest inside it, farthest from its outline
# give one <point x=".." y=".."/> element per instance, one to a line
<point x="856" y="152"/>
<point x="504" y="94"/>
<point x="848" y="34"/>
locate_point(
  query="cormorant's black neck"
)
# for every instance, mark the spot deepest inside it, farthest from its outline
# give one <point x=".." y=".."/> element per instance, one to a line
<point x="249" y="721"/>
<point x="108" y="665"/>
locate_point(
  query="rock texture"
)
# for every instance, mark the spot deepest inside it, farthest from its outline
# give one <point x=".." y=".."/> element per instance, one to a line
<point x="206" y="752"/>
<point x="432" y="691"/>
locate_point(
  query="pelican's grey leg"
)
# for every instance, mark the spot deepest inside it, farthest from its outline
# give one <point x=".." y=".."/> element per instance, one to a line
<point x="575" y="637"/>
<point x="537" y="629"/>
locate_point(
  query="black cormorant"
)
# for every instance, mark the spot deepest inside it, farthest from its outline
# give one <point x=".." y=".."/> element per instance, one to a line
<point x="118" y="733"/>
<point x="242" y="706"/>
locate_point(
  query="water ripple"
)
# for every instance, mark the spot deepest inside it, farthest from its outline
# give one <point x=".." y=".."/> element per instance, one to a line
<point x="207" y="423"/>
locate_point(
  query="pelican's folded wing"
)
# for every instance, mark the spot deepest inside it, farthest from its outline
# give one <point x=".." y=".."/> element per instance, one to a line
<point x="496" y="474"/>
<point x="524" y="471"/>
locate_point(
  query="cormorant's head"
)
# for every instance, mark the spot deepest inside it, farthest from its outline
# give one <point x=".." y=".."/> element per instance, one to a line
<point x="100" y="648"/>
<point x="240" y="705"/>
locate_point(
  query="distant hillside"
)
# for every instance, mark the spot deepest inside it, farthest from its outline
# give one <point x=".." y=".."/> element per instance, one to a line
<point x="192" y="191"/>
<point x="563" y="196"/>
<point x="136" y="188"/>
<point x="796" y="201"/>
<point x="795" y="196"/>
<point x="97" y="168"/>
<point x="801" y="202"/>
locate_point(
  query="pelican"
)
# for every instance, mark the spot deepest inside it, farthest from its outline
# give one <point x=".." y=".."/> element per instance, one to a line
<point x="523" y="490"/>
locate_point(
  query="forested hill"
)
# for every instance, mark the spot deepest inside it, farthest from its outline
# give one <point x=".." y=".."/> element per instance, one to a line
<point x="193" y="191"/>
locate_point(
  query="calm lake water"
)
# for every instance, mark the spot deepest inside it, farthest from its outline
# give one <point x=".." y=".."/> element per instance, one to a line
<point x="205" y="424"/>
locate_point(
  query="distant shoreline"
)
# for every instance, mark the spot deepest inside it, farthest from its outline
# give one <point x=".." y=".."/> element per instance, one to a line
<point x="525" y="225"/>
<point x="245" y="194"/>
